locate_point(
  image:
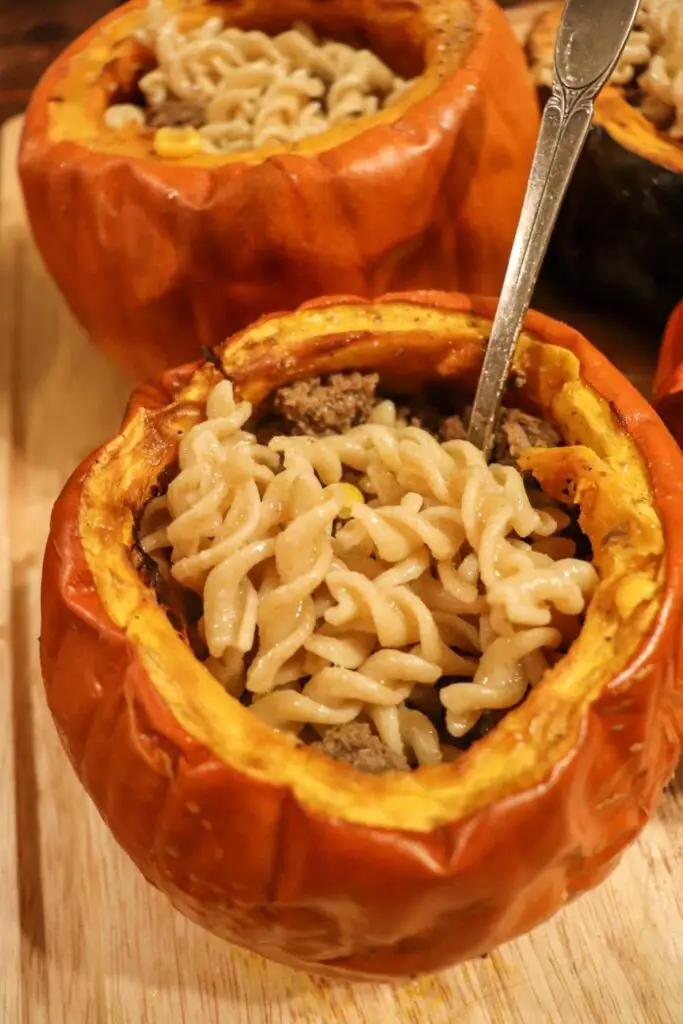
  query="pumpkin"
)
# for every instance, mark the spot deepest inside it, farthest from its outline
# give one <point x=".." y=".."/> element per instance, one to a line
<point x="619" y="235"/>
<point x="158" y="257"/>
<point x="668" y="383"/>
<point x="269" y="843"/>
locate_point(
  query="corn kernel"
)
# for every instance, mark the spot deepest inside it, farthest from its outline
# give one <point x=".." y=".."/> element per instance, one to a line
<point x="634" y="592"/>
<point x="177" y="143"/>
<point x="348" y="495"/>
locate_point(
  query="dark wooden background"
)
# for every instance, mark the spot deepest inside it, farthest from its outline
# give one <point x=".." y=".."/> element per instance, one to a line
<point x="32" y="33"/>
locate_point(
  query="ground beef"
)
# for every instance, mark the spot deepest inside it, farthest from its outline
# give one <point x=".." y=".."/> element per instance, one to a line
<point x="518" y="431"/>
<point x="452" y="429"/>
<point x="356" y="744"/>
<point x="176" y="114"/>
<point x="329" y="406"/>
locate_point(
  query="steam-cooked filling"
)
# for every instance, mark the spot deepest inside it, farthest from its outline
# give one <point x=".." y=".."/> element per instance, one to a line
<point x="651" y="67"/>
<point x="217" y="89"/>
<point x="363" y="581"/>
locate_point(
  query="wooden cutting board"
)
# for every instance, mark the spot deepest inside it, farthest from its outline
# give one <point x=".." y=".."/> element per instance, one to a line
<point x="83" y="939"/>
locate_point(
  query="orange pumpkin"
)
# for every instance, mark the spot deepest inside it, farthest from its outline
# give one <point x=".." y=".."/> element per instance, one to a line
<point x="274" y="846"/>
<point x="159" y="257"/>
<point x="668" y="385"/>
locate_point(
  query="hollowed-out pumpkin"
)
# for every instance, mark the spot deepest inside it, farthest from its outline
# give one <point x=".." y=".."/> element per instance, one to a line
<point x="157" y="257"/>
<point x="308" y="861"/>
<point x="619" y="235"/>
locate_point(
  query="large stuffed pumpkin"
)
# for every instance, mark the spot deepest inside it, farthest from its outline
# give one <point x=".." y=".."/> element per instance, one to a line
<point x="277" y="847"/>
<point x="159" y="255"/>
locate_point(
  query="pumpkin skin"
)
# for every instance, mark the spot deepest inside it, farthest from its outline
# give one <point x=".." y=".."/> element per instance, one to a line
<point x="306" y="860"/>
<point x="668" y="383"/>
<point x="619" y="234"/>
<point x="159" y="258"/>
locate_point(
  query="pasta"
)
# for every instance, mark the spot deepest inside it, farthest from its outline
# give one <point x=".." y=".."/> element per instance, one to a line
<point x="244" y="89"/>
<point x="652" y="60"/>
<point x="327" y="601"/>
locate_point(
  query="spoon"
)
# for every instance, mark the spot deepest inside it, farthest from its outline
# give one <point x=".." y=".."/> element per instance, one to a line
<point x="590" y="40"/>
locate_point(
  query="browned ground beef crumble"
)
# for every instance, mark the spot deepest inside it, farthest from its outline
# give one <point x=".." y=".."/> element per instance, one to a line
<point x="176" y="114"/>
<point x="453" y="429"/>
<point x="334" y="404"/>
<point x="359" y="746"/>
<point x="518" y="431"/>
<point x="342" y="401"/>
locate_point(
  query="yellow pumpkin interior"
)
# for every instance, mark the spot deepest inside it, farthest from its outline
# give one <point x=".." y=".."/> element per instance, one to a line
<point x="428" y="39"/>
<point x="632" y="130"/>
<point x="601" y="469"/>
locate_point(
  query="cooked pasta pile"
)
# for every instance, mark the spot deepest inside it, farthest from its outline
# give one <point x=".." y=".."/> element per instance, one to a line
<point x="652" y="60"/>
<point x="243" y="89"/>
<point x="329" y="602"/>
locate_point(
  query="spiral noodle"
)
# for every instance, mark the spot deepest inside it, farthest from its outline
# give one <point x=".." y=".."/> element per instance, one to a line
<point x="656" y="44"/>
<point x="329" y="602"/>
<point x="253" y="89"/>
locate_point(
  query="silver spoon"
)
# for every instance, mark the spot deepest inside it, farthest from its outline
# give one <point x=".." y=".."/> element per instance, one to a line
<point x="591" y="38"/>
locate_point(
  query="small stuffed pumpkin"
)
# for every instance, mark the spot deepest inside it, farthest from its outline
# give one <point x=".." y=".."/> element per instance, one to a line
<point x="619" y="235"/>
<point x="305" y="860"/>
<point x="158" y="257"/>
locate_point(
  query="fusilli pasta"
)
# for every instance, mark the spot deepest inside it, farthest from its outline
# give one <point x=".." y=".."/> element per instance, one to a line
<point x="350" y="601"/>
<point x="251" y="89"/>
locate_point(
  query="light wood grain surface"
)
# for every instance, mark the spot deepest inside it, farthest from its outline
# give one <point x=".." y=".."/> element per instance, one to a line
<point x="83" y="939"/>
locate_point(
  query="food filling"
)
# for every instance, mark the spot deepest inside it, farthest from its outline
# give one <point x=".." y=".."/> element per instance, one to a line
<point x="348" y="566"/>
<point x="217" y="89"/>
<point x="650" y="70"/>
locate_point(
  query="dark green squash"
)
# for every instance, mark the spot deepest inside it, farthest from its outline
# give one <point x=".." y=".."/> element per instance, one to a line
<point x="619" y="236"/>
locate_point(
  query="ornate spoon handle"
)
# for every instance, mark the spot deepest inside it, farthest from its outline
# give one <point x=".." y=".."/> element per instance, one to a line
<point x="591" y="38"/>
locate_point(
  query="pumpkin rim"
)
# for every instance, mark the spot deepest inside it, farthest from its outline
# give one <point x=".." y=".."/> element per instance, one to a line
<point x="448" y="78"/>
<point x="623" y="122"/>
<point x="427" y="797"/>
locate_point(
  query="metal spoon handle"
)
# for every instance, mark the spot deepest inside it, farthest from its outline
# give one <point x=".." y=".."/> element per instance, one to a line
<point x="590" y="40"/>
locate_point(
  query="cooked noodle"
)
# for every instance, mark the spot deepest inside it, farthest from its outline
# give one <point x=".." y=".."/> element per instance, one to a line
<point x="653" y="59"/>
<point x="351" y="601"/>
<point x="252" y="89"/>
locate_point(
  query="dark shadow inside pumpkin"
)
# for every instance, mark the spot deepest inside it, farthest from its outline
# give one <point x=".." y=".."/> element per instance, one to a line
<point x="316" y="407"/>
